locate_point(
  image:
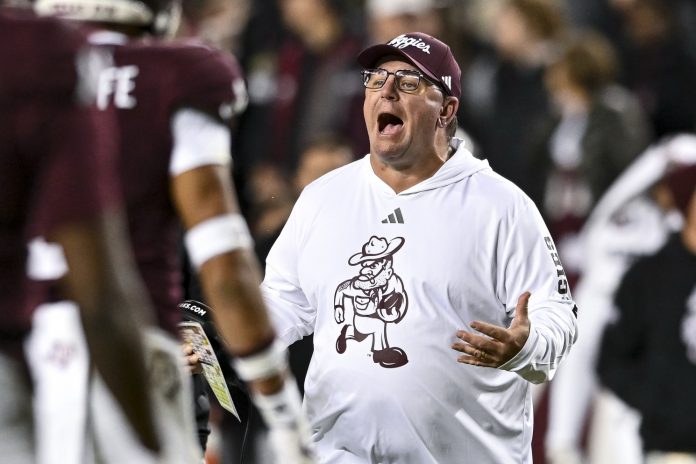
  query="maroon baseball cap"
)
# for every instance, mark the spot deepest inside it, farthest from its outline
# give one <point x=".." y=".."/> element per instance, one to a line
<point x="431" y="56"/>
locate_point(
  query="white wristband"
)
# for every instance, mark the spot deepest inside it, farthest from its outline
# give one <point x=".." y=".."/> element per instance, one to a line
<point x="216" y="236"/>
<point x="271" y="361"/>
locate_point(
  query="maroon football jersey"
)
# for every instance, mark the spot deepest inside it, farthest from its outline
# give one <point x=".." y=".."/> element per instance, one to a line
<point x="148" y="83"/>
<point x="55" y="159"/>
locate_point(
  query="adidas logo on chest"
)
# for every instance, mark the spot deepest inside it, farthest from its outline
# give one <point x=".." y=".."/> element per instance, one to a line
<point x="394" y="218"/>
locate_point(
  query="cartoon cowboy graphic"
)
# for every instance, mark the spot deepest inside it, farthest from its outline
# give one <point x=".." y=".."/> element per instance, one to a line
<point x="378" y="298"/>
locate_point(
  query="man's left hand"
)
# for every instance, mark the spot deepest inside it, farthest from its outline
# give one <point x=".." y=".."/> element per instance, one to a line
<point x="498" y="344"/>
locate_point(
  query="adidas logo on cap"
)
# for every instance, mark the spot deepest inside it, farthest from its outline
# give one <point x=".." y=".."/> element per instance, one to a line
<point x="447" y="80"/>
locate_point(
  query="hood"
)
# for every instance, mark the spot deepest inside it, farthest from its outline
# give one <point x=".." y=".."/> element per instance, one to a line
<point x="462" y="164"/>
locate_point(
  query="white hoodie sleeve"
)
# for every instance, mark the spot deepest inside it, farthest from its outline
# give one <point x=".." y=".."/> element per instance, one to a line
<point x="291" y="313"/>
<point x="528" y="261"/>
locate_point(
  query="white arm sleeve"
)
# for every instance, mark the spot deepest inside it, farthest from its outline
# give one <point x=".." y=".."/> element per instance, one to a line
<point x="528" y="261"/>
<point x="199" y="140"/>
<point x="291" y="313"/>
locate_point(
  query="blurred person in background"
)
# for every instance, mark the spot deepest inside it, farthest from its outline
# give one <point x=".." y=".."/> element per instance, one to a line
<point x="275" y="194"/>
<point x="299" y="57"/>
<point x="657" y="64"/>
<point x="175" y="102"/>
<point x="267" y="182"/>
<point x="648" y="351"/>
<point x="503" y="89"/>
<point x="321" y="156"/>
<point x="628" y="222"/>
<point x="217" y="22"/>
<point x="597" y="129"/>
<point x="57" y="176"/>
<point x="596" y="15"/>
<point x="390" y="19"/>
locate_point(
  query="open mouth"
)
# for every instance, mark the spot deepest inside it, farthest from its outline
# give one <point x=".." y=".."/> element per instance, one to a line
<point x="388" y="123"/>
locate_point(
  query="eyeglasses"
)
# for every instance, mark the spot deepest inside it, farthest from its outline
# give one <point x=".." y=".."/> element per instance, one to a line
<point x="406" y="80"/>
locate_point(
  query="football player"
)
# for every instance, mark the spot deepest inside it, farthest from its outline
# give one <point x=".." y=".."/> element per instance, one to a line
<point x="175" y="102"/>
<point x="56" y="173"/>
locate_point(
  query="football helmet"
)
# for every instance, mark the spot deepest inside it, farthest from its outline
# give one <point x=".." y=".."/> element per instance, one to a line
<point x="160" y="17"/>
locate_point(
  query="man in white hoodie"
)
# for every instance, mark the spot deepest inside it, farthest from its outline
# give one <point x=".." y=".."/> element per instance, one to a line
<point x="434" y="231"/>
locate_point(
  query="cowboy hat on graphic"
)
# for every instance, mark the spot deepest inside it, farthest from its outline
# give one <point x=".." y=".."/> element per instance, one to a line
<point x="376" y="248"/>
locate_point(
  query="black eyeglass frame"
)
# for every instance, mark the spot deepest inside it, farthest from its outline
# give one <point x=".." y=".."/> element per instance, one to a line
<point x="398" y="75"/>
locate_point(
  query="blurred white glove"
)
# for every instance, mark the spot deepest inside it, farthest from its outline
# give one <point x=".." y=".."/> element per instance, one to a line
<point x="288" y="429"/>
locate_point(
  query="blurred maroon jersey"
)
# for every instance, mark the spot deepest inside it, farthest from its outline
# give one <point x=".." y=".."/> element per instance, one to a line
<point x="56" y="164"/>
<point x="148" y="83"/>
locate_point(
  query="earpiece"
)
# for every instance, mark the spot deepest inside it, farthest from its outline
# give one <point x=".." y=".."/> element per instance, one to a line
<point x="441" y="122"/>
